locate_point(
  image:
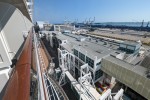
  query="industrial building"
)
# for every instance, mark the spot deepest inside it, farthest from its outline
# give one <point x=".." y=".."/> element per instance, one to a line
<point x="130" y="47"/>
<point x="75" y="51"/>
<point x="90" y="50"/>
<point x="133" y="76"/>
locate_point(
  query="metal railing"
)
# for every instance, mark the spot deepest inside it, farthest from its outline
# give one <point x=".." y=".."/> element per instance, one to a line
<point x="46" y="85"/>
<point x="18" y="87"/>
<point x="41" y="95"/>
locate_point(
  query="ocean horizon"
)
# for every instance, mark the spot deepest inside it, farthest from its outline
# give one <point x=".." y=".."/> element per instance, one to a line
<point x="132" y="24"/>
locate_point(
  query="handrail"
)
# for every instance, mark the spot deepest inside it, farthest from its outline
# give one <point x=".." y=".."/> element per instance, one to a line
<point x="55" y="95"/>
<point x="41" y="91"/>
<point x="18" y="87"/>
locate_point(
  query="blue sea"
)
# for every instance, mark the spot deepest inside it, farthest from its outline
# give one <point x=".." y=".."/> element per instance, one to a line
<point x="133" y="24"/>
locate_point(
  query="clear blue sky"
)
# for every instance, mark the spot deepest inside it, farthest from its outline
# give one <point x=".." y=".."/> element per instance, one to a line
<point x="104" y="10"/>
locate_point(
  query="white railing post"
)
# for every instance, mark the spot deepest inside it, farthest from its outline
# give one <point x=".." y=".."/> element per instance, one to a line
<point x="41" y="95"/>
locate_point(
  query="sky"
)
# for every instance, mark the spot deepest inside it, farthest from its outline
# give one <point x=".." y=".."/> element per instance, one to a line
<point x="56" y="11"/>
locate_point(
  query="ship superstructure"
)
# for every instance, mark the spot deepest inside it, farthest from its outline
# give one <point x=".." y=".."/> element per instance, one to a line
<point x="15" y="23"/>
<point x="24" y="63"/>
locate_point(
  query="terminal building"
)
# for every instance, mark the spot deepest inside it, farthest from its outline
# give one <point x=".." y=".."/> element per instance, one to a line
<point x="90" y="50"/>
<point x="78" y="50"/>
<point x="130" y="47"/>
<point x="134" y="77"/>
<point x="80" y="47"/>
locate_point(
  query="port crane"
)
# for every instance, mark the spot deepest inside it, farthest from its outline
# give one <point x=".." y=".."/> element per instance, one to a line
<point x="85" y="22"/>
<point x="88" y="22"/>
<point x="66" y="21"/>
<point x="142" y="23"/>
<point x="91" y="21"/>
<point x="147" y="24"/>
<point x="74" y="22"/>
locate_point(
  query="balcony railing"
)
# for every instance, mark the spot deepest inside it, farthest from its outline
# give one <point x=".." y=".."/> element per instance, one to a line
<point x="18" y="87"/>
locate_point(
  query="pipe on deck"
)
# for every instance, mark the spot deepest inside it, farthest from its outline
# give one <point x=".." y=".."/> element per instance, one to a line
<point x="18" y="87"/>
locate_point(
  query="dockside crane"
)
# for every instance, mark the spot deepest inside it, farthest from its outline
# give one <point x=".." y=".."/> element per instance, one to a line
<point x="147" y="24"/>
<point x="142" y="23"/>
<point x="75" y="22"/>
<point x="66" y="21"/>
<point x="85" y="21"/>
<point x="145" y="35"/>
<point x="91" y="22"/>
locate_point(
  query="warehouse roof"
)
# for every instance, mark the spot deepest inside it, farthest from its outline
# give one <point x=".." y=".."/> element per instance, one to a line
<point x="91" y="47"/>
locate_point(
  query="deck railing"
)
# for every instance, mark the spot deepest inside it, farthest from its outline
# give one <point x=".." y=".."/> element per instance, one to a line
<point x="18" y="87"/>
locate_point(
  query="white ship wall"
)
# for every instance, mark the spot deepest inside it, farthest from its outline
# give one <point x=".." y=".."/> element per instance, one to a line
<point x="12" y="25"/>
